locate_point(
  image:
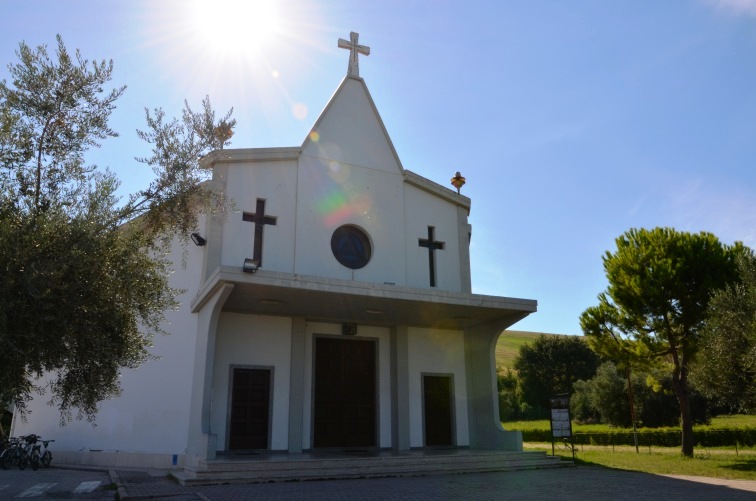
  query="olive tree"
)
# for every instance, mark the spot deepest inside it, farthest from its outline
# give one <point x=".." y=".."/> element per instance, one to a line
<point x="85" y="279"/>
<point x="726" y="372"/>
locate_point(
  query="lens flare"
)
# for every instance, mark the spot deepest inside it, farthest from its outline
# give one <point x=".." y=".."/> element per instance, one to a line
<point x="299" y="111"/>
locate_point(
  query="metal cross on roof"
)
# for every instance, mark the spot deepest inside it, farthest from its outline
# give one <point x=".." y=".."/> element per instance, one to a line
<point x="354" y="50"/>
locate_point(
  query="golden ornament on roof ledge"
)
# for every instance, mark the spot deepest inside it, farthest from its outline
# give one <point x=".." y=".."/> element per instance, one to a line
<point x="458" y="181"/>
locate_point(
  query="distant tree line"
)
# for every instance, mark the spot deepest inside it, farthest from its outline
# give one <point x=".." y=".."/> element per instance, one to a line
<point x="598" y="389"/>
<point x="672" y="340"/>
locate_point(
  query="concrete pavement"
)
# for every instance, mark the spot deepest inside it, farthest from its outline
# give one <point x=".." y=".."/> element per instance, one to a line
<point x="578" y="483"/>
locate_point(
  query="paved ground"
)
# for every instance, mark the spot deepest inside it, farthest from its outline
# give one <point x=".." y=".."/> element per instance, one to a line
<point x="578" y="483"/>
<point x="55" y="483"/>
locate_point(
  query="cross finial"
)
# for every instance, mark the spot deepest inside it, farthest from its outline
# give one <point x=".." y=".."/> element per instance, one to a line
<point x="354" y="50"/>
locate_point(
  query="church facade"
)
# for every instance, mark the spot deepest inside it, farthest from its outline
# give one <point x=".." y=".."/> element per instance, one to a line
<point x="333" y="311"/>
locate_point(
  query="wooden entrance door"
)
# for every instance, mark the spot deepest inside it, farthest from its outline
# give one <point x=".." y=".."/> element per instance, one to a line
<point x="345" y="380"/>
<point x="250" y="409"/>
<point x="438" y="410"/>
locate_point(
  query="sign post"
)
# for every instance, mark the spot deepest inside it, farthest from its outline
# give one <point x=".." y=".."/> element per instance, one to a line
<point x="561" y="425"/>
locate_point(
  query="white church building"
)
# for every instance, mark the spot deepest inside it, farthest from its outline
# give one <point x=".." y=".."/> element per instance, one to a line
<point x="332" y="311"/>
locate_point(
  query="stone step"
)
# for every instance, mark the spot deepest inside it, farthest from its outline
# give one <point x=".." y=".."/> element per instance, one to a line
<point x="286" y="462"/>
<point x="283" y="468"/>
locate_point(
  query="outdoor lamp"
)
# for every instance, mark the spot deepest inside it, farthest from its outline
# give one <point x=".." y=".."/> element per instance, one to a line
<point x="198" y="240"/>
<point x="250" y="265"/>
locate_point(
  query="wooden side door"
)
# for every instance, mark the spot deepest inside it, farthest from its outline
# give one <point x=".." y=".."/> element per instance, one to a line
<point x="438" y="411"/>
<point x="250" y="409"/>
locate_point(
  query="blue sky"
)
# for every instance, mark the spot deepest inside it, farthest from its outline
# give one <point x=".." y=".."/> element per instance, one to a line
<point x="572" y="121"/>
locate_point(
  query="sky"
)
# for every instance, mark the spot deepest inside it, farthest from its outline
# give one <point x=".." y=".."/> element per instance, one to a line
<point x="572" y="121"/>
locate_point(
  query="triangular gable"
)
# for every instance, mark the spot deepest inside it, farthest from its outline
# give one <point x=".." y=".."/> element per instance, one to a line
<point x="350" y="130"/>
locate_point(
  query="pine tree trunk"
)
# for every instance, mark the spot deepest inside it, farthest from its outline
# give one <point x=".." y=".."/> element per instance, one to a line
<point x="680" y="385"/>
<point x="687" y="428"/>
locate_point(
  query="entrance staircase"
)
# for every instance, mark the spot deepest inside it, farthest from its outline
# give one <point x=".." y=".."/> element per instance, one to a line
<point x="360" y="464"/>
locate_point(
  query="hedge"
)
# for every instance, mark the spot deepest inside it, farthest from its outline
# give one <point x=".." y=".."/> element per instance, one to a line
<point x="660" y="438"/>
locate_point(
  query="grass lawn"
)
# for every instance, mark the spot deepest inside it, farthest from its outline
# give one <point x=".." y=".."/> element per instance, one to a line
<point x="665" y="461"/>
<point x="508" y="345"/>
<point x="718" y="462"/>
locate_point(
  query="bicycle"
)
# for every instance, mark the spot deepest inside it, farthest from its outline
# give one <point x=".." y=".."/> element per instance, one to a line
<point x="26" y="452"/>
<point x="44" y="457"/>
<point x="11" y="455"/>
<point x="32" y="448"/>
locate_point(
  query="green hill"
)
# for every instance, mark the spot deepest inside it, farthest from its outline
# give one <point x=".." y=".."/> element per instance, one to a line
<point x="509" y="345"/>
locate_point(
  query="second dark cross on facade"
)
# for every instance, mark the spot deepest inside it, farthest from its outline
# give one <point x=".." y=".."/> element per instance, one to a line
<point x="260" y="220"/>
<point x="432" y="246"/>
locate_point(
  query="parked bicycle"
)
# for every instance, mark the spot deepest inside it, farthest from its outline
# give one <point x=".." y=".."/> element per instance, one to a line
<point x="44" y="456"/>
<point x="11" y="454"/>
<point x="26" y="450"/>
<point x="28" y="455"/>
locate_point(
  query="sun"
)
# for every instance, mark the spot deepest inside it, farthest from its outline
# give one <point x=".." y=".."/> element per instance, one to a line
<point x="229" y="27"/>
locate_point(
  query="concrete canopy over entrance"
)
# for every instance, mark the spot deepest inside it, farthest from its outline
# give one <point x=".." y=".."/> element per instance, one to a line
<point x="316" y="298"/>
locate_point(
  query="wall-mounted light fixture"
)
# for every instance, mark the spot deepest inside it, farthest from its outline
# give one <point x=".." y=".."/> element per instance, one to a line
<point x="198" y="240"/>
<point x="250" y="265"/>
<point x="348" y="329"/>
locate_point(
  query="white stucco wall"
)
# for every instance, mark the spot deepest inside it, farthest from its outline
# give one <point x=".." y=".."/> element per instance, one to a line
<point x="332" y="194"/>
<point x="350" y="131"/>
<point x="276" y="183"/>
<point x="151" y="414"/>
<point x="438" y="352"/>
<point x="421" y="209"/>
<point x="382" y="334"/>
<point x="252" y="341"/>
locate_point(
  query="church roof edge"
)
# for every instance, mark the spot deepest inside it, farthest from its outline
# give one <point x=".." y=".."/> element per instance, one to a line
<point x="250" y="155"/>
<point x="436" y="189"/>
<point x="328" y="106"/>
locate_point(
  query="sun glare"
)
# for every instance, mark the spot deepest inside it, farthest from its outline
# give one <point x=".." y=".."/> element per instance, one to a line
<point x="247" y="53"/>
<point x="236" y="26"/>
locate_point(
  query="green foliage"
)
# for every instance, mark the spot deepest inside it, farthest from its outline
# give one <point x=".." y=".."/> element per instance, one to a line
<point x="54" y="111"/>
<point x="582" y="409"/>
<point x="727" y="371"/>
<point x="550" y="366"/>
<point x="73" y="297"/>
<point x="604" y="398"/>
<point x="660" y="283"/>
<point x="173" y="202"/>
<point x="606" y="394"/>
<point x="85" y="281"/>
<point x="717" y="422"/>
<point x="706" y="436"/>
<point x="509" y="397"/>
<point x="666" y="437"/>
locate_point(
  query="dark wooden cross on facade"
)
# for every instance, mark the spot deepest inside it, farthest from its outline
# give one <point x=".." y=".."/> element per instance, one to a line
<point x="432" y="246"/>
<point x="260" y="220"/>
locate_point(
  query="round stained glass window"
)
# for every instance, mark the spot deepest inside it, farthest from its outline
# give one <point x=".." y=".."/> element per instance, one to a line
<point x="351" y="247"/>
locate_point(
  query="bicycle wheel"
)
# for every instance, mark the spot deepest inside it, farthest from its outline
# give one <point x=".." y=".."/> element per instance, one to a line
<point x="23" y="459"/>
<point x="8" y="458"/>
<point x="46" y="459"/>
<point x="34" y="460"/>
